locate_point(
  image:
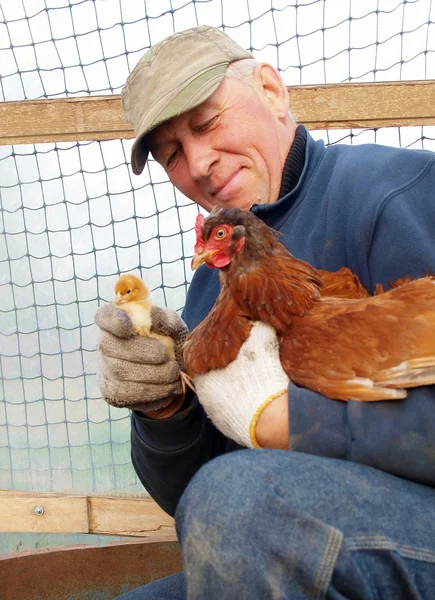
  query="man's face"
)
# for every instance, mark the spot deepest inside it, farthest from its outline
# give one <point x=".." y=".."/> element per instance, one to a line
<point x="226" y="152"/>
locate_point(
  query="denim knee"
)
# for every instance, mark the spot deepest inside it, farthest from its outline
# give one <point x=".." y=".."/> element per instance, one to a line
<point x="236" y="494"/>
<point x="222" y="484"/>
<point x="239" y="482"/>
<point x="244" y="488"/>
<point x="270" y="523"/>
<point x="243" y="479"/>
<point x="241" y="532"/>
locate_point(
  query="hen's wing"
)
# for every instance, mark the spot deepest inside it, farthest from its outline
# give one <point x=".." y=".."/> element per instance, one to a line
<point x="368" y="349"/>
<point x="216" y="341"/>
<point x="342" y="284"/>
<point x="277" y="290"/>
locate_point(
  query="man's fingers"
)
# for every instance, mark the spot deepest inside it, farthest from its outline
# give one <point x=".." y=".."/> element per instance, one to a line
<point x="136" y="349"/>
<point x="114" y="320"/>
<point x="134" y="370"/>
<point x="116" y="368"/>
<point x="166" y="322"/>
<point x="131" y="394"/>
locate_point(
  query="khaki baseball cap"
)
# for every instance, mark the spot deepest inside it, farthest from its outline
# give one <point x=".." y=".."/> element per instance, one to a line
<point x="175" y="76"/>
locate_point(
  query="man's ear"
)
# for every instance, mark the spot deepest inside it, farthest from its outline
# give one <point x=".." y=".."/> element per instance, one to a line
<point x="272" y="88"/>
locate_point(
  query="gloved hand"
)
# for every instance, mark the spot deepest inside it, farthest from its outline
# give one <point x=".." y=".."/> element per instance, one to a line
<point x="134" y="371"/>
<point x="234" y="397"/>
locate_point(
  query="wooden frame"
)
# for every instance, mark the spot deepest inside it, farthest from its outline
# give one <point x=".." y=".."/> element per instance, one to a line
<point x="63" y="513"/>
<point x="340" y="106"/>
<point x="337" y="106"/>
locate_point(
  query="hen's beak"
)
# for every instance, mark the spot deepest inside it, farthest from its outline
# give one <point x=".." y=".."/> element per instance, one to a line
<point x="201" y="257"/>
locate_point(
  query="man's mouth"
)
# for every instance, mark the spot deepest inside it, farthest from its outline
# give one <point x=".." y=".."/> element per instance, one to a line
<point x="226" y="189"/>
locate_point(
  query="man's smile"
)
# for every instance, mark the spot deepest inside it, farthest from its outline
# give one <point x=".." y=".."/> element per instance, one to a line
<point x="226" y="191"/>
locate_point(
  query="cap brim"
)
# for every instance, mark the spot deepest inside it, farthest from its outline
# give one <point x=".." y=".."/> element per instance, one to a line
<point x="189" y="97"/>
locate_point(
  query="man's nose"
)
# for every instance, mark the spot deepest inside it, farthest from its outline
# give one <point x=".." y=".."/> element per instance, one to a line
<point x="200" y="157"/>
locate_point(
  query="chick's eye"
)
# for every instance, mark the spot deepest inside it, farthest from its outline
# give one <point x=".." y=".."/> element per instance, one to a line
<point x="220" y="234"/>
<point x="128" y="291"/>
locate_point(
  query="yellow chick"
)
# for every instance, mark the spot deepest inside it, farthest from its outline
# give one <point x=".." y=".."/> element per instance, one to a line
<point x="133" y="297"/>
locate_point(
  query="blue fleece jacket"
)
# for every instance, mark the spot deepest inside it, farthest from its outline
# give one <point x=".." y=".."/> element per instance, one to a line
<point x="368" y="207"/>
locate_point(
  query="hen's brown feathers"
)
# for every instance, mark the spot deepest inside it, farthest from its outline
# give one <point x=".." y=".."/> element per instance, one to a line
<point x="360" y="348"/>
<point x="342" y="284"/>
<point x="334" y="337"/>
<point x="216" y="341"/>
<point x="380" y="289"/>
<point x="275" y="300"/>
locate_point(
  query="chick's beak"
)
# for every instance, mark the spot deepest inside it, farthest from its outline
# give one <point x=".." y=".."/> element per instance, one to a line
<point x="201" y="257"/>
<point x="118" y="298"/>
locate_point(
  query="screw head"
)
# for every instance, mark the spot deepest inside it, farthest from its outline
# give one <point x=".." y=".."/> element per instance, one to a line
<point x="39" y="510"/>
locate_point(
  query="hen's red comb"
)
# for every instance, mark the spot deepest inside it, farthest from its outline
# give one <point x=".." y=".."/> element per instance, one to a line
<point x="198" y="228"/>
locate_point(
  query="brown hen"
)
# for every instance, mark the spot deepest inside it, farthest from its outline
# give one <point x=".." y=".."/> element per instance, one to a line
<point x="368" y="348"/>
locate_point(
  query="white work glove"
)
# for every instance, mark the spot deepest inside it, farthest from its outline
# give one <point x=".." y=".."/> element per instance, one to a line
<point x="234" y="397"/>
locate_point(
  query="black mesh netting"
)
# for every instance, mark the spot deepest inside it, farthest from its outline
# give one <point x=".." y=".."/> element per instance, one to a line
<point x="74" y="217"/>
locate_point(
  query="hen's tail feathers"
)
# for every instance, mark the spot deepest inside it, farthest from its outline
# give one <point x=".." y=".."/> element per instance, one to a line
<point x="389" y="384"/>
<point x="358" y="388"/>
<point x="411" y="373"/>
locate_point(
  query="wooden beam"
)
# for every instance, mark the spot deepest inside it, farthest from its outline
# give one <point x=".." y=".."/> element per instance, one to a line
<point x="360" y="105"/>
<point x="337" y="106"/>
<point x="63" y="120"/>
<point x="62" y="513"/>
<point x="128" y="516"/>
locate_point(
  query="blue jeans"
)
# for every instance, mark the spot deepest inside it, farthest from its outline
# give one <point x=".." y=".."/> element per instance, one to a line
<point x="272" y="524"/>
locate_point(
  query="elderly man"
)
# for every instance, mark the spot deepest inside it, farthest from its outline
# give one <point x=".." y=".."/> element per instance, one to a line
<point x="348" y="509"/>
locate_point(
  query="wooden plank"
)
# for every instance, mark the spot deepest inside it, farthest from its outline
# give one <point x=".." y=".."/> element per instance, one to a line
<point x="359" y="105"/>
<point x="63" y="513"/>
<point x="127" y="516"/>
<point x="338" y="106"/>
<point x="60" y="514"/>
<point x="63" y="120"/>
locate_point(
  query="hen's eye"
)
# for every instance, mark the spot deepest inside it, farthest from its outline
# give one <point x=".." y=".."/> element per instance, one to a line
<point x="220" y="234"/>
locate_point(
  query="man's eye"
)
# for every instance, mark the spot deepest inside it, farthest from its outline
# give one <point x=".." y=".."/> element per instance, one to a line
<point x="171" y="158"/>
<point x="206" y="124"/>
